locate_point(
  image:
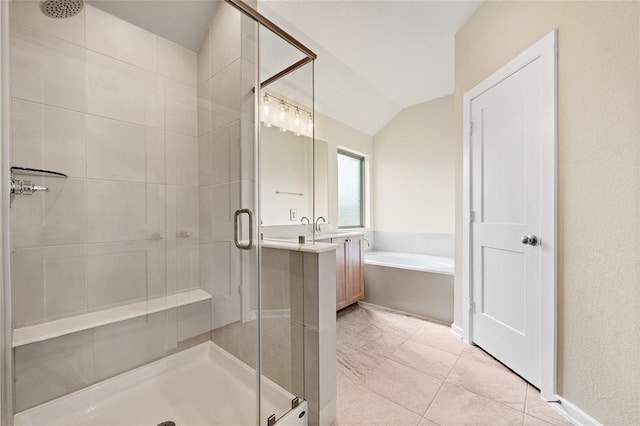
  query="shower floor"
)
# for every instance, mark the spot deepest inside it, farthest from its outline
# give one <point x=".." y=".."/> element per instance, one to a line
<point x="204" y="385"/>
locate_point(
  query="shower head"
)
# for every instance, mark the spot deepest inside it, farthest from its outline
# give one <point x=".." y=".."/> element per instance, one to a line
<point x="61" y="8"/>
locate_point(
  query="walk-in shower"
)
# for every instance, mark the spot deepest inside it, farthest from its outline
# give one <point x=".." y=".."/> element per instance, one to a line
<point x="136" y="290"/>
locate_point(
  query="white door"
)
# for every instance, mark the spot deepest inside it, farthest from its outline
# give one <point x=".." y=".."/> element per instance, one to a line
<point x="510" y="131"/>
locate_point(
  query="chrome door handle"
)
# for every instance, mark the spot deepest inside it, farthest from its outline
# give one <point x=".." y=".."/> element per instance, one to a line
<point x="236" y="232"/>
<point x="530" y="240"/>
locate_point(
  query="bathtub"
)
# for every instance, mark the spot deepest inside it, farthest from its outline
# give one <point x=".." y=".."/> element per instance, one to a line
<point x="418" y="284"/>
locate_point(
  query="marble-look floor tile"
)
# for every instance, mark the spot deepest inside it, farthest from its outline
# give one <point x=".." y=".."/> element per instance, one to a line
<point x="476" y="353"/>
<point x="404" y="325"/>
<point x="439" y="336"/>
<point x="357" y="405"/>
<point x="355" y="363"/>
<point x="541" y="409"/>
<point x="403" y="385"/>
<point x="498" y="384"/>
<point x="425" y="358"/>
<point x="385" y="344"/>
<point x="456" y="406"/>
<point x="534" y="421"/>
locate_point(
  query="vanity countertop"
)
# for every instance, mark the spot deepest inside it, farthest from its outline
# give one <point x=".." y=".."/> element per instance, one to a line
<point x="295" y="246"/>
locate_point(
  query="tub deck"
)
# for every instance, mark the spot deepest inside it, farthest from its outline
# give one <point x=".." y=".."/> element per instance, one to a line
<point x="414" y="262"/>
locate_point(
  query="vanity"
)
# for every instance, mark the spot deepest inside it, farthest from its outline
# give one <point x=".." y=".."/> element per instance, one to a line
<point x="349" y="267"/>
<point x="295" y="202"/>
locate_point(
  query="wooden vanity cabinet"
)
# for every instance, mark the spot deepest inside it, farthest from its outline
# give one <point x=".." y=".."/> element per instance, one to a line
<point x="349" y="270"/>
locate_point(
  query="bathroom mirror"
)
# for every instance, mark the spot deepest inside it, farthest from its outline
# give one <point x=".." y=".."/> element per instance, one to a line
<point x="287" y="171"/>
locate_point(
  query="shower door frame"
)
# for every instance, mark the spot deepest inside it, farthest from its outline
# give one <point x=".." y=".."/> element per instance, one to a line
<point x="6" y="315"/>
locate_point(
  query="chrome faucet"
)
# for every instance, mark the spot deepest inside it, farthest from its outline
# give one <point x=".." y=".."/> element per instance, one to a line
<point x="305" y="218"/>
<point x="318" y="220"/>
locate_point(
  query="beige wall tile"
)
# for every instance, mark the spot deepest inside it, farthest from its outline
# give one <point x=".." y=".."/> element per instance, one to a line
<point x="183" y="265"/>
<point x="249" y="31"/>
<point x="204" y="61"/>
<point x="122" y="346"/>
<point x="46" y="69"/>
<point x="226" y="90"/>
<point x="176" y="62"/>
<point x="125" y="272"/>
<point x="220" y="141"/>
<point x="116" y="150"/>
<point x="205" y="160"/>
<point x="55" y="217"/>
<point x="249" y="82"/>
<point x="27" y="287"/>
<point x="225" y="37"/>
<point x="220" y="212"/>
<point x="194" y="319"/>
<point x="205" y="204"/>
<point x="48" y="137"/>
<point x="121" y="91"/>
<point x="119" y="39"/>
<point x="52" y="368"/>
<point x="226" y="310"/>
<point x="180" y="102"/>
<point x="156" y="156"/>
<point x="181" y="159"/>
<point x="27" y="13"/>
<point x="134" y="211"/>
<point x="215" y="268"/>
<point x="187" y="212"/>
<point x="204" y="107"/>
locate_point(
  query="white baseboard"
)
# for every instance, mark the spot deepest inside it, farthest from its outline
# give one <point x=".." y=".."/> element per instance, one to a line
<point x="574" y="414"/>
<point x="457" y="330"/>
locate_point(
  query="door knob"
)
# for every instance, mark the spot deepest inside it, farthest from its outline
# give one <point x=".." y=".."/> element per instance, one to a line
<point x="531" y="240"/>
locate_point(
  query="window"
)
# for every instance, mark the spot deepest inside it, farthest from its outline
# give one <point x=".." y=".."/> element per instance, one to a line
<point x="350" y="190"/>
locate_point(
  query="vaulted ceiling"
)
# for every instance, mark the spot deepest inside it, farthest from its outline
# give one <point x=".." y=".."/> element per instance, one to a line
<point x="374" y="57"/>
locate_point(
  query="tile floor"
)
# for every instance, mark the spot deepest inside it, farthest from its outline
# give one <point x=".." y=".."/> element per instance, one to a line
<point x="394" y="369"/>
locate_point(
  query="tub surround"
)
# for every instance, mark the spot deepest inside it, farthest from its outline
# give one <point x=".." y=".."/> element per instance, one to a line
<point x="434" y="244"/>
<point x="413" y="273"/>
<point x="427" y="294"/>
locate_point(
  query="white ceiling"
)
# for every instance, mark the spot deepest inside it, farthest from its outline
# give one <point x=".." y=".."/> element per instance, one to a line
<point x="185" y="22"/>
<point x="374" y="57"/>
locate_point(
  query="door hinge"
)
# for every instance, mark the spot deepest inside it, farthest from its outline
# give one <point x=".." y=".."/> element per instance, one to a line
<point x="472" y="216"/>
<point x="471" y="128"/>
<point x="472" y="306"/>
<point x="295" y="402"/>
<point x="271" y="420"/>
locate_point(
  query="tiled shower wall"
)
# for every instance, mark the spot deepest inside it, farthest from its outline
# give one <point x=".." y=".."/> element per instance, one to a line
<point x="115" y="108"/>
<point x="226" y="73"/>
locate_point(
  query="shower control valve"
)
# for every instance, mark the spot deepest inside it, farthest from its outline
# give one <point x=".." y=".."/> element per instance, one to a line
<point x="25" y="187"/>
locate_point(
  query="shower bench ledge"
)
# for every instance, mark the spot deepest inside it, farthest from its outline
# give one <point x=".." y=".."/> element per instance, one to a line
<point x="49" y="330"/>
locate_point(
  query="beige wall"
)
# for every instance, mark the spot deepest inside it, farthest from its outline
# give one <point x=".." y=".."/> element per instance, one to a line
<point x="598" y="185"/>
<point x="414" y="161"/>
<point x="337" y="134"/>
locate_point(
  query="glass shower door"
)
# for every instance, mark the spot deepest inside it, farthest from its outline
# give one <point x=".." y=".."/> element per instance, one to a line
<point x="286" y="152"/>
